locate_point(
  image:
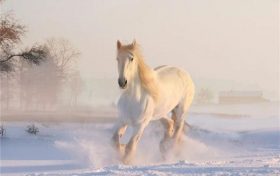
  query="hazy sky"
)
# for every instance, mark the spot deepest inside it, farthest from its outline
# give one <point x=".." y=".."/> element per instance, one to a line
<point x="222" y="39"/>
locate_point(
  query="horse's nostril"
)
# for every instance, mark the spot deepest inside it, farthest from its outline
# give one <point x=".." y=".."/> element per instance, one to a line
<point x="122" y="82"/>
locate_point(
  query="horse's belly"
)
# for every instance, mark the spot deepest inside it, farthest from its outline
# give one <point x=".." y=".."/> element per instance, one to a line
<point x="166" y="104"/>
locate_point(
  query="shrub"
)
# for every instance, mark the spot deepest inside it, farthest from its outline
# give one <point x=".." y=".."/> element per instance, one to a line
<point x="2" y="131"/>
<point x="32" y="129"/>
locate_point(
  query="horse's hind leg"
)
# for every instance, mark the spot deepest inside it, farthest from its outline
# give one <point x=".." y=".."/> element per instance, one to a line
<point x="179" y="130"/>
<point x="179" y="121"/>
<point x="174" y="128"/>
<point x="168" y="124"/>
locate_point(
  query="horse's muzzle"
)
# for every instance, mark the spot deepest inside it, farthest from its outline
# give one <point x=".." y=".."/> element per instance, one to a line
<point x="122" y="83"/>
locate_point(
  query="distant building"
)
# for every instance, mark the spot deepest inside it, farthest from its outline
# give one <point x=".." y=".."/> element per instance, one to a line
<point x="231" y="97"/>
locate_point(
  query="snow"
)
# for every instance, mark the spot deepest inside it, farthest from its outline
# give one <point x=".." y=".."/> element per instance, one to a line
<point x="213" y="145"/>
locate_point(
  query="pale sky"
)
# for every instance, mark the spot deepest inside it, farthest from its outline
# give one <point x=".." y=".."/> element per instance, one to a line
<point x="212" y="39"/>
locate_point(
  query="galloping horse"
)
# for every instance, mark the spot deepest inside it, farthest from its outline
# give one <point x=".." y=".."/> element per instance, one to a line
<point x="149" y="94"/>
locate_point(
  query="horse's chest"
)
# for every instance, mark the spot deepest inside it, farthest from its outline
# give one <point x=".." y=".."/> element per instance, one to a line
<point x="131" y="109"/>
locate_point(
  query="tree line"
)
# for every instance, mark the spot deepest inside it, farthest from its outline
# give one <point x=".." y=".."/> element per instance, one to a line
<point x="37" y="77"/>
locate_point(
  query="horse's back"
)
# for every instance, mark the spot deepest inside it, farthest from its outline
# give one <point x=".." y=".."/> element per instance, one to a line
<point x="159" y="67"/>
<point x="172" y="74"/>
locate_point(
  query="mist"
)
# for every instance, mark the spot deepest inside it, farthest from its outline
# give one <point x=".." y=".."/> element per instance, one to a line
<point x="224" y="45"/>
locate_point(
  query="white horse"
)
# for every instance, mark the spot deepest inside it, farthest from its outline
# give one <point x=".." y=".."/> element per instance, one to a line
<point x="149" y="94"/>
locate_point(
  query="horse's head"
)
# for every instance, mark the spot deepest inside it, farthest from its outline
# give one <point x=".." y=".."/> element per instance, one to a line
<point x="127" y="63"/>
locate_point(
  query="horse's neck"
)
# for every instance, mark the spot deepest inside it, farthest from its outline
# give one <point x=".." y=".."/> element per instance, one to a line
<point x="143" y="82"/>
<point x="135" y="89"/>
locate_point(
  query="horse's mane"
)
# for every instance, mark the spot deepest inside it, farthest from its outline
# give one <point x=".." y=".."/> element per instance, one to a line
<point x="146" y="74"/>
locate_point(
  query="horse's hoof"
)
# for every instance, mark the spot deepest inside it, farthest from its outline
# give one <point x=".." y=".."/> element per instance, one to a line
<point x="126" y="161"/>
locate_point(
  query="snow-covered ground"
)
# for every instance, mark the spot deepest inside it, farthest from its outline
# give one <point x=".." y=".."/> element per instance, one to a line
<point x="213" y="145"/>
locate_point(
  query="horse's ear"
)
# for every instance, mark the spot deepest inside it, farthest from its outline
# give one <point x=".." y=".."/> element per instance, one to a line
<point x="134" y="43"/>
<point x="119" y="45"/>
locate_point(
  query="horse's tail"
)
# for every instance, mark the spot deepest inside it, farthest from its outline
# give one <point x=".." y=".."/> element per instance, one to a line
<point x="189" y="91"/>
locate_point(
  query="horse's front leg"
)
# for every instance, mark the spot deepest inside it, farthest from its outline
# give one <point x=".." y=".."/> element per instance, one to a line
<point x="119" y="131"/>
<point x="132" y="144"/>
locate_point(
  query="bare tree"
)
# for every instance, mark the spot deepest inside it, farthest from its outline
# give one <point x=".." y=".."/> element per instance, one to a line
<point x="75" y="86"/>
<point x="11" y="33"/>
<point x="41" y="86"/>
<point x="63" y="54"/>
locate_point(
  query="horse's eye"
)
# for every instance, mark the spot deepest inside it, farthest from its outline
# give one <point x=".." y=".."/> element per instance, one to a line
<point x="131" y="59"/>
